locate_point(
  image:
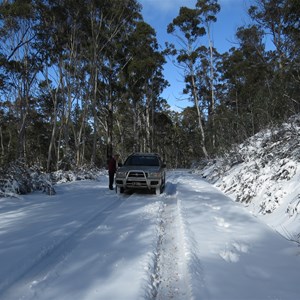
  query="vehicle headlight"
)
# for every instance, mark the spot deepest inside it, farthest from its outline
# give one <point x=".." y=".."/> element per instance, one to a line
<point x="121" y="174"/>
<point x="154" y="174"/>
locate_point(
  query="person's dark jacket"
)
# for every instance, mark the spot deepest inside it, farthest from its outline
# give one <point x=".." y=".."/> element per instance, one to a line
<point x="112" y="165"/>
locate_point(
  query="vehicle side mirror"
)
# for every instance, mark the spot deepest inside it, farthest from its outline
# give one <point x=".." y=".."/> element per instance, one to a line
<point x="163" y="165"/>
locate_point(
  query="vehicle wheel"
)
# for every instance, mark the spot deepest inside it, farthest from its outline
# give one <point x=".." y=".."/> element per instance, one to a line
<point x="163" y="183"/>
<point x="119" y="190"/>
<point x="158" y="190"/>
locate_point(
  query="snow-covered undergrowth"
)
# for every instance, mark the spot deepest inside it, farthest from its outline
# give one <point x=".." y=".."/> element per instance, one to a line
<point x="18" y="179"/>
<point x="264" y="174"/>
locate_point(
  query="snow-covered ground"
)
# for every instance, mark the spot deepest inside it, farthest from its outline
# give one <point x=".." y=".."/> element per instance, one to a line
<point x="263" y="173"/>
<point x="191" y="242"/>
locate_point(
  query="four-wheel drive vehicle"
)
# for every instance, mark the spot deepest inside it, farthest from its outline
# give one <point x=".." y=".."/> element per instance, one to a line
<point x="142" y="171"/>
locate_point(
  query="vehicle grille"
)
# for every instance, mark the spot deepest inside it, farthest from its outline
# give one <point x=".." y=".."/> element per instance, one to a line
<point x="136" y="179"/>
<point x="136" y="174"/>
<point x="136" y="184"/>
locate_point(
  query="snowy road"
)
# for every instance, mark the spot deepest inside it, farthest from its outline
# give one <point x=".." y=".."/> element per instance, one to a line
<point x="191" y="242"/>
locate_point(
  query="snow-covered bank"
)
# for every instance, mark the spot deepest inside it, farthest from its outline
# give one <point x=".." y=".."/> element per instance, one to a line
<point x="264" y="174"/>
<point x="191" y="242"/>
<point x="232" y="254"/>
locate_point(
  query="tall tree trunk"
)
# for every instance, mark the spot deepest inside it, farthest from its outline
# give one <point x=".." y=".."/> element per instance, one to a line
<point x="1" y="145"/>
<point x="53" y="133"/>
<point x="136" y="128"/>
<point x="199" y="114"/>
<point x="147" y="125"/>
<point x="94" y="109"/>
<point x="54" y="119"/>
<point x="212" y="99"/>
<point x="80" y="145"/>
<point x="109" y="149"/>
<point x="21" y="130"/>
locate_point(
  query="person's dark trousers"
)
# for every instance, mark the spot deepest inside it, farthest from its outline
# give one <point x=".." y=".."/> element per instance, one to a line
<point x="111" y="179"/>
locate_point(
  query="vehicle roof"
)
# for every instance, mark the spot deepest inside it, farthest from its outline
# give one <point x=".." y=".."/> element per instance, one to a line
<point x="144" y="154"/>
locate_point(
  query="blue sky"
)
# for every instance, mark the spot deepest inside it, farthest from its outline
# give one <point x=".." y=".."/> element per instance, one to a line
<point x="160" y="13"/>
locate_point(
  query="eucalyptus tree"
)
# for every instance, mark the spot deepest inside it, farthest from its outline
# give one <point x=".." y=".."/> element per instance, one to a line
<point x="191" y="151"/>
<point x="292" y="31"/>
<point x="245" y="104"/>
<point x="188" y="27"/>
<point x="163" y="134"/>
<point x="292" y="28"/>
<point x="110" y="24"/>
<point x="61" y="40"/>
<point x="280" y="21"/>
<point x="82" y="45"/>
<point x="208" y="11"/>
<point x="143" y="79"/>
<point x="269" y="15"/>
<point x="20" y="64"/>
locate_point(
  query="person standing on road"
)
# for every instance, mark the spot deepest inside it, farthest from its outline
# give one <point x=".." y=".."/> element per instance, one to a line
<point x="112" y="168"/>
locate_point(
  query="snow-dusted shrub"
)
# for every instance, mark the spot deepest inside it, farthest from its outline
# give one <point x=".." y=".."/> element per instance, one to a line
<point x="82" y="173"/>
<point x="8" y="187"/>
<point x="41" y="181"/>
<point x="256" y="167"/>
<point x="18" y="179"/>
<point x="293" y="208"/>
<point x="286" y="170"/>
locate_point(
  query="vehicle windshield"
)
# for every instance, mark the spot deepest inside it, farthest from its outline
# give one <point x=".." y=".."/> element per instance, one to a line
<point x="142" y="161"/>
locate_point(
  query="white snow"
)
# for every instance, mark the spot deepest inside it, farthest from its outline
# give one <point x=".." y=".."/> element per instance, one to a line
<point x="191" y="242"/>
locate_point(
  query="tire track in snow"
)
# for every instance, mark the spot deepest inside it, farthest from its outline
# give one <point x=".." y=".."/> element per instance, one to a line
<point x="55" y="253"/>
<point x="170" y="279"/>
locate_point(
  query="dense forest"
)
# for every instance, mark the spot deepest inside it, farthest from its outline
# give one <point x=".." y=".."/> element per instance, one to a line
<point x="82" y="79"/>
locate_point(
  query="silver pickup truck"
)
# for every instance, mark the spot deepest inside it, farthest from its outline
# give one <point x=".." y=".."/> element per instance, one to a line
<point x="141" y="171"/>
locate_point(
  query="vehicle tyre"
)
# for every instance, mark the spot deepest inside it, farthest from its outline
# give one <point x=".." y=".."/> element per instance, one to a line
<point x="163" y="182"/>
<point x="158" y="190"/>
<point x="119" y="190"/>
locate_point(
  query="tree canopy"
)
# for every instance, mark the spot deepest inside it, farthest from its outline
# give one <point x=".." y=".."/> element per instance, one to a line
<point x="82" y="79"/>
